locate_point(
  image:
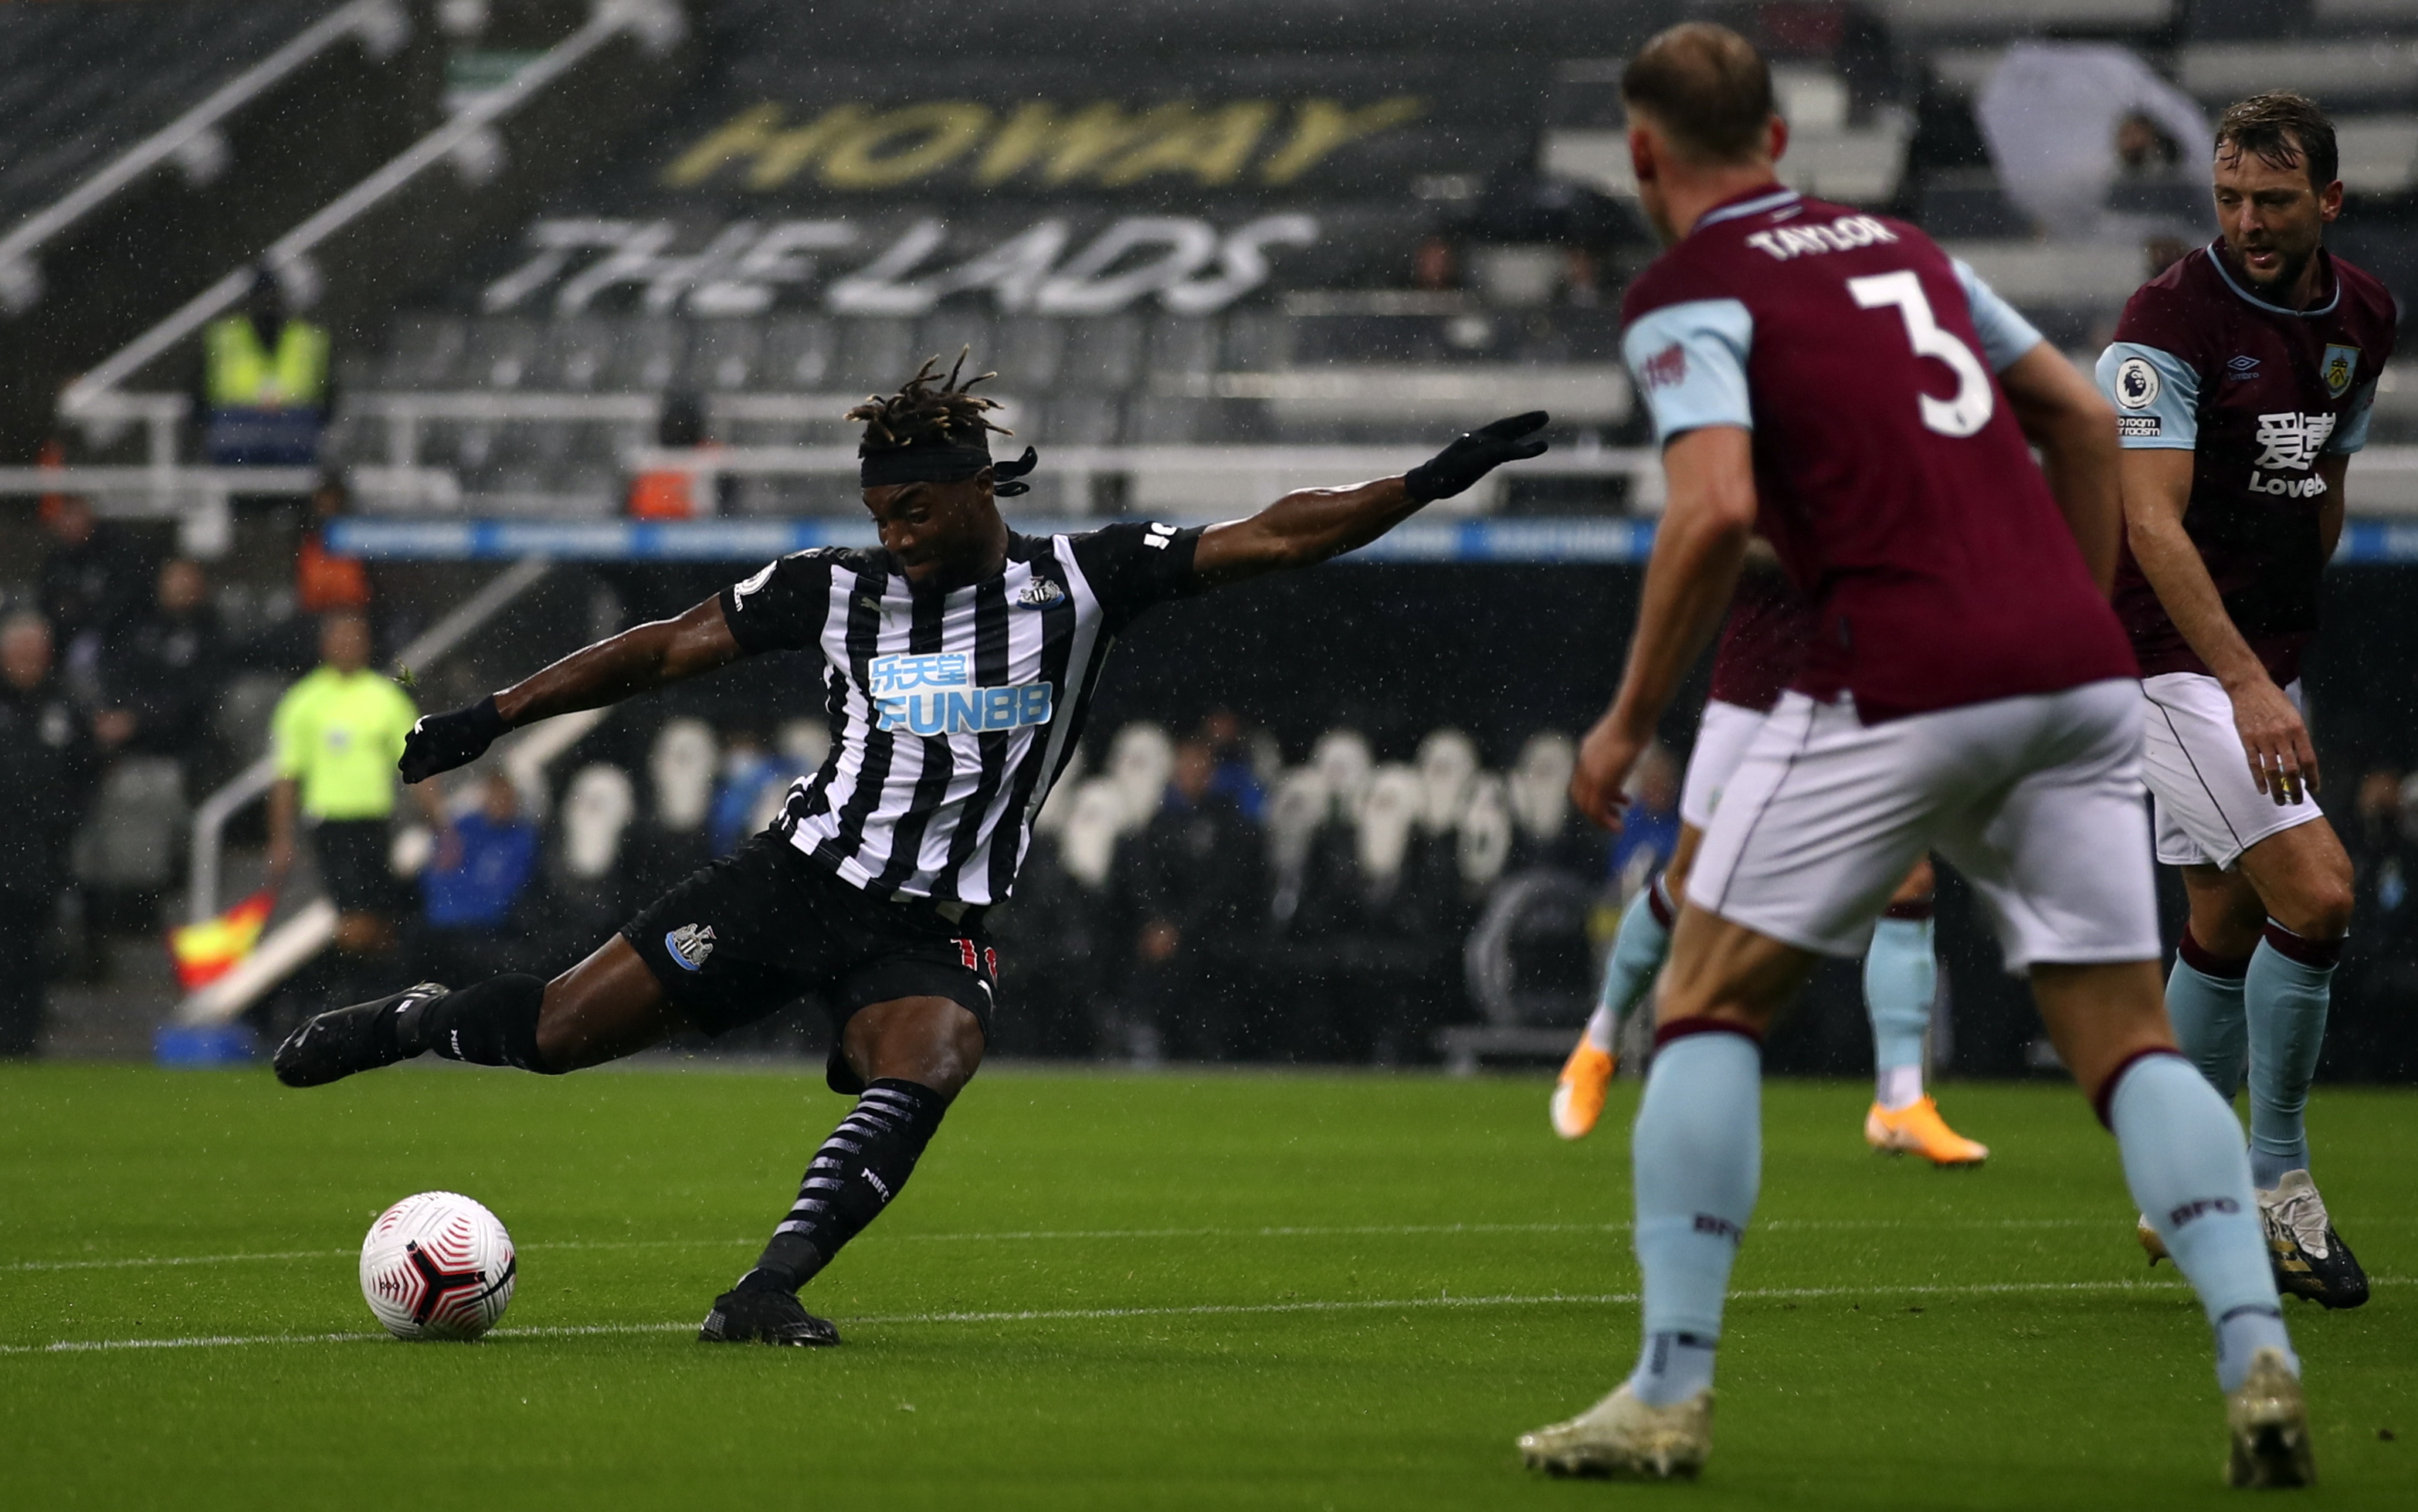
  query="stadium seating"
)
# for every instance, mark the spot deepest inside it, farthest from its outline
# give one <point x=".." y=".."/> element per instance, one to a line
<point x="81" y="82"/>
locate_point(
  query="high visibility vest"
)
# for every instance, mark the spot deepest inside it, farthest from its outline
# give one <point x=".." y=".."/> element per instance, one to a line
<point x="243" y="376"/>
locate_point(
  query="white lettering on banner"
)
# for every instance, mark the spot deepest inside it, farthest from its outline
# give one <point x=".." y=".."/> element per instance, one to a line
<point x="935" y="694"/>
<point x="1847" y="232"/>
<point x="1188" y="265"/>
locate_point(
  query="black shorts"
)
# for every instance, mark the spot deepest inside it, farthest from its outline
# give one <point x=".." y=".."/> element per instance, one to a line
<point x="352" y="856"/>
<point x="765" y="926"/>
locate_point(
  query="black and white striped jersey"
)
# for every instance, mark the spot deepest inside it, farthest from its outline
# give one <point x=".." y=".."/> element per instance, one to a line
<point x="951" y="713"/>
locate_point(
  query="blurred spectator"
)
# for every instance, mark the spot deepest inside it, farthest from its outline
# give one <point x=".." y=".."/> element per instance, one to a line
<point x="93" y="578"/>
<point x="2065" y="120"/>
<point x="670" y="492"/>
<point x="1194" y="879"/>
<point x="1649" y="826"/>
<point x="1237" y="775"/>
<point x="471" y="892"/>
<point x="2142" y="150"/>
<point x="46" y="774"/>
<point x="265" y="384"/>
<point x="337" y="734"/>
<point x="747" y="771"/>
<point x="2372" y="1035"/>
<point x="325" y="583"/>
<point x="1433" y="265"/>
<point x="159" y="676"/>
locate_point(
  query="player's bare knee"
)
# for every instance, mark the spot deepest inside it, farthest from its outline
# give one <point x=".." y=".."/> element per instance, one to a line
<point x="2319" y="911"/>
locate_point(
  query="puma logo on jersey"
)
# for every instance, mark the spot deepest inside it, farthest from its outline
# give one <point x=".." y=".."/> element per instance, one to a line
<point x="1843" y="234"/>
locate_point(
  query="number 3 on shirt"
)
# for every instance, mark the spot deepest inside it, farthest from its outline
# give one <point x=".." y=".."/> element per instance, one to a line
<point x="1974" y="402"/>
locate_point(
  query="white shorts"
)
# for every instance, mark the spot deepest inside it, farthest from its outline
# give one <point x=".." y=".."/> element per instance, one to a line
<point x="1721" y="739"/>
<point x="2209" y="811"/>
<point x="2037" y="800"/>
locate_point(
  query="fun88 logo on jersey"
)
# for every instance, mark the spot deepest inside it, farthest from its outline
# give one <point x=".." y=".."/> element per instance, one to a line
<point x="935" y="694"/>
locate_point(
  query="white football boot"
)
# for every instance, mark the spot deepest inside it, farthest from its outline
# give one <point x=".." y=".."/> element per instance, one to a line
<point x="2269" y="1421"/>
<point x="1623" y="1437"/>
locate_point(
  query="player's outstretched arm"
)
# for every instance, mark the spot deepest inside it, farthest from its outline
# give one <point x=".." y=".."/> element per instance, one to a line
<point x="1310" y="525"/>
<point x="2157" y="491"/>
<point x="2061" y="413"/>
<point x="1698" y="552"/>
<point x="638" y="660"/>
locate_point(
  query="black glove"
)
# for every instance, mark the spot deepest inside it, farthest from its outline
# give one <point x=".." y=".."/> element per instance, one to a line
<point x="440" y="743"/>
<point x="1475" y="454"/>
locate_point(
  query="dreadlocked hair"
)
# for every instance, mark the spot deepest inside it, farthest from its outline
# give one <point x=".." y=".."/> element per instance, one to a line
<point x="930" y="411"/>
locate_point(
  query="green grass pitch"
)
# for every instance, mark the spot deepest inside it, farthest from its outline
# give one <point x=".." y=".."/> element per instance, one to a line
<point x="1267" y="1290"/>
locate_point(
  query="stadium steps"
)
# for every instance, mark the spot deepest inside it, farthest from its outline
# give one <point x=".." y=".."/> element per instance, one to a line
<point x="84" y="83"/>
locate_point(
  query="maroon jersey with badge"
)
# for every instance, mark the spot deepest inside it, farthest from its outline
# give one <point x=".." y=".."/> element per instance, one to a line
<point x="2259" y="393"/>
<point x="1763" y="641"/>
<point x="1891" y="478"/>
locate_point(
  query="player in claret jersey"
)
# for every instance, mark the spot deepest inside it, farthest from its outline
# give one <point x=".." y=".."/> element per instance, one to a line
<point x="1761" y="645"/>
<point x="2242" y="377"/>
<point x="1821" y="374"/>
<point x="956" y="662"/>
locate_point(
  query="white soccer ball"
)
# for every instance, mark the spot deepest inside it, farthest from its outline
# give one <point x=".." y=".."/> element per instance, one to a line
<point x="437" y="1266"/>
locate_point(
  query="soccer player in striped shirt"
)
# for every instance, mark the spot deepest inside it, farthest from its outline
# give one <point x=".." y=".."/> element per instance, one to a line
<point x="957" y="660"/>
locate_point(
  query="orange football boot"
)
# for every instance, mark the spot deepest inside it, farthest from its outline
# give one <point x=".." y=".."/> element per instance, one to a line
<point x="1918" y="1129"/>
<point x="1578" y="1096"/>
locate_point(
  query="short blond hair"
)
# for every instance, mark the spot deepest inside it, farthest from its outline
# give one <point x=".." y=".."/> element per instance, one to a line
<point x="1707" y="88"/>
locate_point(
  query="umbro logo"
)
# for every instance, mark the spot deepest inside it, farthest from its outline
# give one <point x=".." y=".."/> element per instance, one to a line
<point x="2240" y="368"/>
<point x="1039" y="594"/>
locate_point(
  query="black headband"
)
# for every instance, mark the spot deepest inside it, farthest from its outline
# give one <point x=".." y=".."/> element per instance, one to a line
<point x="943" y="465"/>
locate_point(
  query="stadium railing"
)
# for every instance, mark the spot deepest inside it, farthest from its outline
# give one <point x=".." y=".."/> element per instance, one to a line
<point x="467" y="142"/>
<point x="194" y="142"/>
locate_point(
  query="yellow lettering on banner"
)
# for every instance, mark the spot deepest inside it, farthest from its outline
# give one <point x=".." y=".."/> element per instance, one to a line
<point x="747" y="133"/>
<point x="933" y="137"/>
<point x="1320" y="126"/>
<point x="755" y="132"/>
<point x="1103" y="142"/>
<point x="1067" y="147"/>
<point x="789" y="151"/>
<point x="1212" y="148"/>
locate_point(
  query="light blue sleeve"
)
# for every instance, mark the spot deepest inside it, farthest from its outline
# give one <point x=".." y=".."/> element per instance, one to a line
<point x="1689" y="363"/>
<point x="2156" y="395"/>
<point x="2350" y="431"/>
<point x="2005" y="335"/>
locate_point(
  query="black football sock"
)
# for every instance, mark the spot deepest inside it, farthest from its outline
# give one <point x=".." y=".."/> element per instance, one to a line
<point x="491" y="1023"/>
<point x="851" y="1180"/>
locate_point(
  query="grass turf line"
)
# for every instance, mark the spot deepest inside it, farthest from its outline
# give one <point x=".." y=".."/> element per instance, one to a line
<point x="1862" y="1368"/>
